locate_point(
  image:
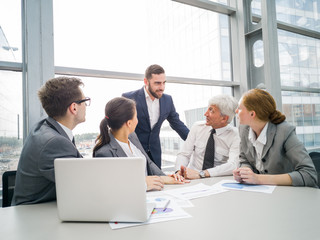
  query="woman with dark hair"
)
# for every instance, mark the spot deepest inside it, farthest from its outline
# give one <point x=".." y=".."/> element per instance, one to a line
<point x="270" y="152"/>
<point x="118" y="139"/>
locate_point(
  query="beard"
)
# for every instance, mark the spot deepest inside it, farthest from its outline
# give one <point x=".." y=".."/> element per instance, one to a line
<point x="154" y="93"/>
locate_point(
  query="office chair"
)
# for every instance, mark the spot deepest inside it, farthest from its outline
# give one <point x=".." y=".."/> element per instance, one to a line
<point x="315" y="156"/>
<point x="8" y="183"/>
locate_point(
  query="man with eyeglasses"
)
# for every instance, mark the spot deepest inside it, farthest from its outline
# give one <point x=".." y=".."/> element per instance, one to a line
<point x="65" y="104"/>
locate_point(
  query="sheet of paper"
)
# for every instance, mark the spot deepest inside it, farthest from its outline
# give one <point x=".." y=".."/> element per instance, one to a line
<point x="159" y="214"/>
<point x="195" y="191"/>
<point x="234" y="185"/>
<point x="161" y="196"/>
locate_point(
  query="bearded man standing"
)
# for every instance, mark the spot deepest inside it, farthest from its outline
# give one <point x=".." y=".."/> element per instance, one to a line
<point x="153" y="107"/>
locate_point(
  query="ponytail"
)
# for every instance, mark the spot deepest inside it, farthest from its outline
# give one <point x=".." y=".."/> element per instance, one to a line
<point x="103" y="138"/>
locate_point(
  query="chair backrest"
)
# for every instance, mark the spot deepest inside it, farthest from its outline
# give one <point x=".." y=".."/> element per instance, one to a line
<point x="8" y="184"/>
<point x="315" y="156"/>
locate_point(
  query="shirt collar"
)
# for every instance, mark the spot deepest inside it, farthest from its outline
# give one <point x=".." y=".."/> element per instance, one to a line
<point x="67" y="130"/>
<point x="148" y="96"/>
<point x="221" y="130"/>
<point x="262" y="137"/>
<point x="146" y="93"/>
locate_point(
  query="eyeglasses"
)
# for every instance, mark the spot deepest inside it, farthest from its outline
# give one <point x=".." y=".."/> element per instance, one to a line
<point x="87" y="101"/>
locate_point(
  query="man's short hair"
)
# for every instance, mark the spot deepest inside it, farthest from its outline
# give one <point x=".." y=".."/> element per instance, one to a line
<point x="226" y="104"/>
<point x="57" y="94"/>
<point x="153" y="69"/>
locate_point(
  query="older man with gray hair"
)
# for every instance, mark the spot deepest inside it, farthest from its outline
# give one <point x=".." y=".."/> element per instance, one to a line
<point x="212" y="147"/>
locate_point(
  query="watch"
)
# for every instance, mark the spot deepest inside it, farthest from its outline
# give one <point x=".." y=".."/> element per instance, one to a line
<point x="202" y="174"/>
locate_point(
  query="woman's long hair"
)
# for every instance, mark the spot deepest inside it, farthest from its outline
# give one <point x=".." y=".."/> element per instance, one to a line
<point x="117" y="112"/>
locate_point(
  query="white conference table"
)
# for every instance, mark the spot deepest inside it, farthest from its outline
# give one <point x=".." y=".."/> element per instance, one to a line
<point x="287" y="213"/>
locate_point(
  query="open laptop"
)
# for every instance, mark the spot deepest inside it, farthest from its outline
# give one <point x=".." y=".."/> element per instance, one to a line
<point x="102" y="189"/>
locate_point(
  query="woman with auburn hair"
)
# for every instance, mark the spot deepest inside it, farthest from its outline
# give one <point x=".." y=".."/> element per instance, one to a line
<point x="270" y="152"/>
<point x="118" y="139"/>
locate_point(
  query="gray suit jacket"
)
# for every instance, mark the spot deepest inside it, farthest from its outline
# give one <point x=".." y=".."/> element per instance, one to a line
<point x="283" y="153"/>
<point x="35" y="181"/>
<point x="113" y="149"/>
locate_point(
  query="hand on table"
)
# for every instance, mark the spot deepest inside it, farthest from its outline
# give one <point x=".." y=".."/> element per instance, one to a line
<point x="172" y="180"/>
<point x="246" y="175"/>
<point x="154" y="183"/>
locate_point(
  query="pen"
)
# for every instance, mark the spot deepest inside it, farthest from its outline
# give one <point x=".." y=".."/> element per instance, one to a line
<point x="165" y="206"/>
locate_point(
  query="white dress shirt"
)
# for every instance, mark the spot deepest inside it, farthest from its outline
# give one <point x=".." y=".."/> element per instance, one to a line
<point x="227" y="148"/>
<point x="258" y="144"/>
<point x="67" y="130"/>
<point x="153" y="108"/>
<point x="135" y="152"/>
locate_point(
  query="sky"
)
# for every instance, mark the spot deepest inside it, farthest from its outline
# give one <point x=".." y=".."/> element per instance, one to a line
<point x="10" y="21"/>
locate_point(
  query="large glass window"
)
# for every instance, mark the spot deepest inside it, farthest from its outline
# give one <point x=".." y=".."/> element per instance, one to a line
<point x="128" y="36"/>
<point x="299" y="60"/>
<point x="11" y="86"/>
<point x="10" y="30"/>
<point x="302" y="13"/>
<point x="303" y="111"/>
<point x="10" y="120"/>
<point x="299" y="67"/>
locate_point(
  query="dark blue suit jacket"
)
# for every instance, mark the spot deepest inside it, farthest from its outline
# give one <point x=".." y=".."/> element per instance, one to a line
<point x="148" y="137"/>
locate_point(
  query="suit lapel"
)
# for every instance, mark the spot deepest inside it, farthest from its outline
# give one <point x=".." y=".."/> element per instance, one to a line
<point x="116" y="148"/>
<point x="246" y="130"/>
<point x="135" y="141"/>
<point x="271" y="132"/>
<point x="161" y="106"/>
<point x="53" y="124"/>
